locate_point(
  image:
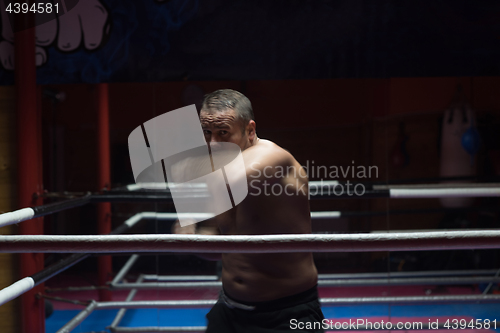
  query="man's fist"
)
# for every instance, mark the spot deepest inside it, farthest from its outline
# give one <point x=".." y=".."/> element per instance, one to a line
<point x="187" y="230"/>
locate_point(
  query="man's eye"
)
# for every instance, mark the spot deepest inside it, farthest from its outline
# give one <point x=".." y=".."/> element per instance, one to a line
<point x="223" y="132"/>
<point x="206" y="132"/>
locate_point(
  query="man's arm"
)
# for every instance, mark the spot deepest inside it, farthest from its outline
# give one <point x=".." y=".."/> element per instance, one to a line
<point x="208" y="227"/>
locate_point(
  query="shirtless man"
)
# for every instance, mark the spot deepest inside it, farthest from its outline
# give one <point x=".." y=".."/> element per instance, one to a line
<point x="261" y="292"/>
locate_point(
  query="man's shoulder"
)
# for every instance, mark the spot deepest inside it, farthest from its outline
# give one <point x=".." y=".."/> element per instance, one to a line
<point x="267" y="153"/>
<point x="268" y="147"/>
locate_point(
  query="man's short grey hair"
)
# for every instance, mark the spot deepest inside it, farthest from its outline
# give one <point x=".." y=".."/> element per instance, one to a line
<point x="223" y="99"/>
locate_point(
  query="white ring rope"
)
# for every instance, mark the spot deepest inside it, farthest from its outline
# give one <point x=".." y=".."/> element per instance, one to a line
<point x="325" y="215"/>
<point x="444" y="192"/>
<point x="209" y="303"/>
<point x="163" y="186"/>
<point x="394" y="191"/>
<point x="436" y="186"/>
<point x="16" y="289"/>
<point x="27" y="214"/>
<point x="400" y="241"/>
<point x="20" y="287"/>
<point x="323" y="301"/>
<point x="16" y="216"/>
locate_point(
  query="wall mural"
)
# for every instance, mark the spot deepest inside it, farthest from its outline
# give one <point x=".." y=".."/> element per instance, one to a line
<point x="151" y="40"/>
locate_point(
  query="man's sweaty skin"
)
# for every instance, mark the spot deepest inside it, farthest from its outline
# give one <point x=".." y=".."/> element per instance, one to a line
<point x="260" y="277"/>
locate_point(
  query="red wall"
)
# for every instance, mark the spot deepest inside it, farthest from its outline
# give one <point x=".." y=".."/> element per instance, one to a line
<point x="332" y="122"/>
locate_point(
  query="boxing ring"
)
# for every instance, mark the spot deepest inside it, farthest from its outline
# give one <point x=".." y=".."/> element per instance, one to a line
<point x="81" y="247"/>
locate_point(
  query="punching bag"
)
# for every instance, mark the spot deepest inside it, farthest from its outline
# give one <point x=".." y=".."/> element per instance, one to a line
<point x="459" y="144"/>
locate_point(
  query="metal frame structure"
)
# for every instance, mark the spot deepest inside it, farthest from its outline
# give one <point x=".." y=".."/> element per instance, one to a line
<point x="20" y="287"/>
<point x="325" y="280"/>
<point x="378" y="191"/>
<point x="130" y="304"/>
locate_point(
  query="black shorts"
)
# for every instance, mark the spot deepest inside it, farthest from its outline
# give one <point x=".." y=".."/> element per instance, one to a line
<point x="296" y="313"/>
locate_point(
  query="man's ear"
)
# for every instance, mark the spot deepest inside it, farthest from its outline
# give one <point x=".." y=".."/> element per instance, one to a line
<point x="251" y="130"/>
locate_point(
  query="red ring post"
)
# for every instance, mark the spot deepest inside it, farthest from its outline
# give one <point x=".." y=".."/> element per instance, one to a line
<point x="29" y="165"/>
<point x="105" y="272"/>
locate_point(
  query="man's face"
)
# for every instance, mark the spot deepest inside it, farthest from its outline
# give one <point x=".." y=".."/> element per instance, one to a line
<point x="224" y="126"/>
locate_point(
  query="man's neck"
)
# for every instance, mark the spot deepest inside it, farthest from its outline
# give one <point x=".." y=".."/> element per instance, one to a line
<point x="254" y="142"/>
